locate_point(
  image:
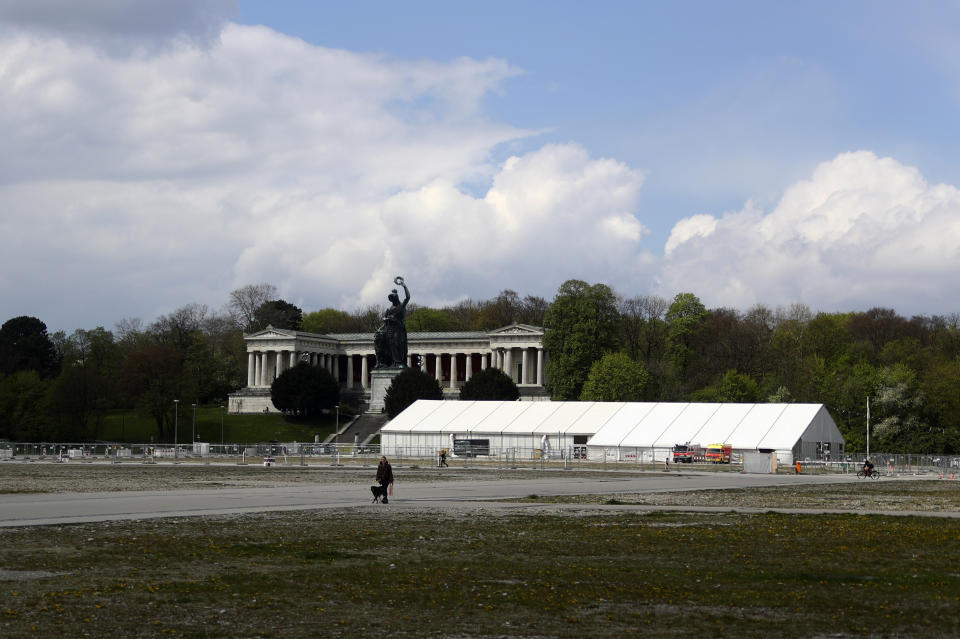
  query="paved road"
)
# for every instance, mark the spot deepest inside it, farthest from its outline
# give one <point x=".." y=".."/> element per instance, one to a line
<point x="66" y="508"/>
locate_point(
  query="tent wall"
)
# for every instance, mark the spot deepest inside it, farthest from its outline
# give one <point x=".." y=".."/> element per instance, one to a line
<point x="616" y="431"/>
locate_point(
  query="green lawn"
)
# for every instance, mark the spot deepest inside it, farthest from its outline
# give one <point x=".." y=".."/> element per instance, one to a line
<point x="133" y="427"/>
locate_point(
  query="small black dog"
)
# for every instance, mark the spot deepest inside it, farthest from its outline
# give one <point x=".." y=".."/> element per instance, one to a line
<point x="379" y="492"/>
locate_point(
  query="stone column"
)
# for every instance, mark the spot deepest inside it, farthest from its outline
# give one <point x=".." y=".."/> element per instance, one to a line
<point x="278" y="365"/>
<point x="468" y="373"/>
<point x="453" y="371"/>
<point x="258" y="370"/>
<point x="349" y="372"/>
<point x="508" y="363"/>
<point x="524" y="367"/>
<point x="293" y="358"/>
<point x="539" y="367"/>
<point x="335" y="367"/>
<point x="364" y="372"/>
<point x="251" y="368"/>
<point x="438" y="373"/>
<point x="483" y="361"/>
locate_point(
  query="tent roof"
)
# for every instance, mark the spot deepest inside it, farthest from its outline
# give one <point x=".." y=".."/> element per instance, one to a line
<point x="626" y="424"/>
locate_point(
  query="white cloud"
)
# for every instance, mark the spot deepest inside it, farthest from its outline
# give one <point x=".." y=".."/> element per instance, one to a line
<point x="689" y="228"/>
<point x="862" y="231"/>
<point x="130" y="185"/>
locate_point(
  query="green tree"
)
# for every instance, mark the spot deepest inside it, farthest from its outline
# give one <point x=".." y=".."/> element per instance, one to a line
<point x="153" y="377"/>
<point x="226" y="351"/>
<point x="615" y="378"/>
<point x="78" y="399"/>
<point x="426" y="319"/>
<point x="788" y="347"/>
<point x="25" y="346"/>
<point x="305" y="390"/>
<point x="897" y="404"/>
<point x="407" y="387"/>
<point x="279" y="314"/>
<point x="685" y="322"/>
<point x="22" y="407"/>
<point x="939" y="386"/>
<point x="502" y="310"/>
<point x="644" y="330"/>
<point x="739" y="388"/>
<point x="581" y="326"/>
<point x="328" y="320"/>
<point x="86" y="387"/>
<point x="490" y="384"/>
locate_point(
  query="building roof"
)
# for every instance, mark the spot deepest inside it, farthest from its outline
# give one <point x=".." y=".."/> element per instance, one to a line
<point x="413" y="336"/>
<point x="626" y="424"/>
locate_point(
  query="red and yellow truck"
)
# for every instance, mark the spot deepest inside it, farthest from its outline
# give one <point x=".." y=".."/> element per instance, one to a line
<point x="719" y="453"/>
<point x="687" y="453"/>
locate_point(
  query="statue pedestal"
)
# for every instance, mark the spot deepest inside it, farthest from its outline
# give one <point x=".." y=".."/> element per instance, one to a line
<point x="380" y="380"/>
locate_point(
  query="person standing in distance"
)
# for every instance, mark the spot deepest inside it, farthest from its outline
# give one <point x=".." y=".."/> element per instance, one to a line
<point x="384" y="476"/>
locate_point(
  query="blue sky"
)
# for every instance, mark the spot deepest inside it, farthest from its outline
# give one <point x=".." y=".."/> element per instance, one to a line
<point x="676" y="88"/>
<point x="748" y="152"/>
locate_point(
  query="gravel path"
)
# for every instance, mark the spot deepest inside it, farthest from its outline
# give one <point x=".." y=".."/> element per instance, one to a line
<point x="912" y="493"/>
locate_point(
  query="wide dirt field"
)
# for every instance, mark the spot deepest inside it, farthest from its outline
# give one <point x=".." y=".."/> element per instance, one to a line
<point x="481" y="572"/>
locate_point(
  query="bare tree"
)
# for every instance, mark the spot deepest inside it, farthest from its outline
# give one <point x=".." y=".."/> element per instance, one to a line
<point x="644" y="330"/>
<point x="245" y="301"/>
<point x="180" y="328"/>
<point x="533" y="310"/>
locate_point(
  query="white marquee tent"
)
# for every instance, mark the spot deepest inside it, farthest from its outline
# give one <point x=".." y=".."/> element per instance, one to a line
<point x="618" y="430"/>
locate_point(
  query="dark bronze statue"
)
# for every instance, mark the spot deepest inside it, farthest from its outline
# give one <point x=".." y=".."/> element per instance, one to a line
<point x="390" y="340"/>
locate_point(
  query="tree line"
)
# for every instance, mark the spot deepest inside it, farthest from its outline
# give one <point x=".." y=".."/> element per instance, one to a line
<point x="606" y="347"/>
<point x="602" y="346"/>
<point x="59" y="387"/>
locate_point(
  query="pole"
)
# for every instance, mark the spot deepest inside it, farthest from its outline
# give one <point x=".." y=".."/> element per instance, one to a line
<point x="336" y="438"/>
<point x="868" y="427"/>
<point x="176" y="420"/>
<point x="221" y="428"/>
<point x="193" y="434"/>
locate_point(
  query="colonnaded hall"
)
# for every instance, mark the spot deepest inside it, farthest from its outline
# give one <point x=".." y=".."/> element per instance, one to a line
<point x="451" y="357"/>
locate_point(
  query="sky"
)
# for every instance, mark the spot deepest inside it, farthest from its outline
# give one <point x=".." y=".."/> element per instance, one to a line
<point x="154" y="155"/>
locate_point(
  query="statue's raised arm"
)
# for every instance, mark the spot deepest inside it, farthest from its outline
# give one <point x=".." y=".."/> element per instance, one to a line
<point x="406" y="291"/>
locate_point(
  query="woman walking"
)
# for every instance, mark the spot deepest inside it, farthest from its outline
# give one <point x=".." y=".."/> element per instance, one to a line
<point x="384" y="476"/>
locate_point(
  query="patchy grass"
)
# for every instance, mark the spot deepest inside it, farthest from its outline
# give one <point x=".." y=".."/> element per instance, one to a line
<point x="919" y="495"/>
<point x="481" y="572"/>
<point x="377" y="572"/>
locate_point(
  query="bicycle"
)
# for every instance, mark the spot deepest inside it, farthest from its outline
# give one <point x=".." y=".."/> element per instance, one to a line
<point x="862" y="474"/>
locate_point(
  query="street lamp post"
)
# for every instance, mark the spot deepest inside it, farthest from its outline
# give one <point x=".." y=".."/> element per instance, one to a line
<point x="193" y="435"/>
<point x="176" y="420"/>
<point x="221" y="428"/>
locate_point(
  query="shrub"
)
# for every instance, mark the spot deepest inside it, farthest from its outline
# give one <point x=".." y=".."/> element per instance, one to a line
<point x="490" y="384"/>
<point x="407" y="387"/>
<point x="305" y="390"/>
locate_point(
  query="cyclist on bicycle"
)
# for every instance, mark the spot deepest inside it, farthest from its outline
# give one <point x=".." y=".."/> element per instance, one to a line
<point x="868" y="468"/>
